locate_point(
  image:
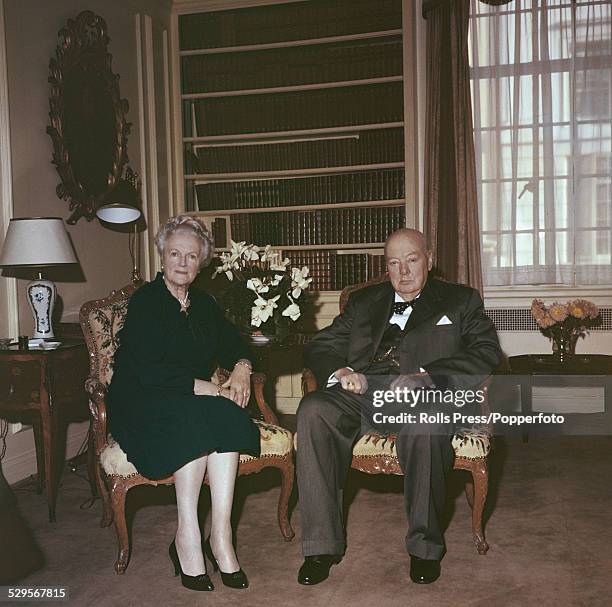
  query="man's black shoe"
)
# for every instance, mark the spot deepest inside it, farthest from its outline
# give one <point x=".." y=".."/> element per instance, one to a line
<point x="316" y="568"/>
<point x="423" y="571"/>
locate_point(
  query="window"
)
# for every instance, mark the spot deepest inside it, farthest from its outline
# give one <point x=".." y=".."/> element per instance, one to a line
<point x="542" y="103"/>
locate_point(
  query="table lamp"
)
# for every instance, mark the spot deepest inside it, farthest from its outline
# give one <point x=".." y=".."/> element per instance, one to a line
<point x="38" y="242"/>
<point x="121" y="206"/>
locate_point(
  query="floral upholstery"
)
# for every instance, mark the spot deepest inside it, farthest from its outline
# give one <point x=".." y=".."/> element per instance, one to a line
<point x="373" y="444"/>
<point x="468" y="443"/>
<point x="104" y="323"/>
<point x="472" y="443"/>
<point x="275" y="442"/>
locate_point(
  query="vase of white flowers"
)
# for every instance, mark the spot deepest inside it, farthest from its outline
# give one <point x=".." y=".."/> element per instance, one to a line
<point x="266" y="295"/>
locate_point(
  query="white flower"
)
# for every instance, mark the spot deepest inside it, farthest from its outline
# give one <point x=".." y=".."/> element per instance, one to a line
<point x="237" y="249"/>
<point x="299" y="280"/>
<point x="251" y="253"/>
<point x="256" y="285"/>
<point x="227" y="264"/>
<point x="266" y="253"/>
<point x="262" y="310"/>
<point x="280" y="267"/>
<point x="276" y="280"/>
<point x="292" y="311"/>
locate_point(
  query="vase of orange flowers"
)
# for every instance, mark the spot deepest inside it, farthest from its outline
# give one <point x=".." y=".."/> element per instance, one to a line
<point x="564" y="323"/>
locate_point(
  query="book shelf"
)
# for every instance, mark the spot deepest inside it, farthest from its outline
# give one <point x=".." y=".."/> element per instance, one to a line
<point x="293" y="130"/>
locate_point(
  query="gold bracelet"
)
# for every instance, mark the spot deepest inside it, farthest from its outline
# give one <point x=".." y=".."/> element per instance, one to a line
<point x="218" y="391"/>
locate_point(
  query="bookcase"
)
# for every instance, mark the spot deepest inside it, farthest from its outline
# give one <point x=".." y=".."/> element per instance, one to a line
<point x="293" y="129"/>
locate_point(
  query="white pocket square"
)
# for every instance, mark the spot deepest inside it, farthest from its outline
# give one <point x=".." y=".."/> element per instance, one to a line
<point x="445" y="320"/>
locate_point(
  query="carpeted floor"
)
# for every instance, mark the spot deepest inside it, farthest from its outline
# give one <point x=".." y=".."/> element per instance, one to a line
<point x="548" y="527"/>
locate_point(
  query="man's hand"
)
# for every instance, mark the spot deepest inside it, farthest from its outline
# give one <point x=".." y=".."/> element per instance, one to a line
<point x="352" y="381"/>
<point x="412" y="381"/>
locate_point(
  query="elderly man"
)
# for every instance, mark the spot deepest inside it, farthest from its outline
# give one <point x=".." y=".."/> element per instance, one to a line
<point x="413" y="332"/>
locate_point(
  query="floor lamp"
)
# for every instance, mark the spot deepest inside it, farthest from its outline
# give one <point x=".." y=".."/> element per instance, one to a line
<point x="122" y="206"/>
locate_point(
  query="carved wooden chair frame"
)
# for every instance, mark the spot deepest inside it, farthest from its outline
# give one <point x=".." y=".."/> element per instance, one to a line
<point x="113" y="489"/>
<point x="476" y="488"/>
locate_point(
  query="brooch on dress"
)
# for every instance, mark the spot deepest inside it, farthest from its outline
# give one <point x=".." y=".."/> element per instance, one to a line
<point x="185" y="303"/>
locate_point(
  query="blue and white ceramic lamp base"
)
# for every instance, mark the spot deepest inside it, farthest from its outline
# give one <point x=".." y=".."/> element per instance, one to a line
<point x="41" y="297"/>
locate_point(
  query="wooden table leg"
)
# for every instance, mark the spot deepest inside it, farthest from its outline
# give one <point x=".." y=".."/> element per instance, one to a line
<point x="49" y="457"/>
<point x="40" y="455"/>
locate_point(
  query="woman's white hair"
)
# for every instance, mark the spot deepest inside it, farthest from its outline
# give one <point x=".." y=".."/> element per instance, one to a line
<point x="187" y="224"/>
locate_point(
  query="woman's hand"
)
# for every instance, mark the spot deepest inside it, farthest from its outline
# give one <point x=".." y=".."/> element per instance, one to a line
<point x="201" y="387"/>
<point x="239" y="385"/>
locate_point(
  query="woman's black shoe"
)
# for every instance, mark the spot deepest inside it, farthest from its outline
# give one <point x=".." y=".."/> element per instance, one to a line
<point x="193" y="582"/>
<point x="237" y="579"/>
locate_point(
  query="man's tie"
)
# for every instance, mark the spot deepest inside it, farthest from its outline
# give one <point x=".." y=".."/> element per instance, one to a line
<point x="399" y="307"/>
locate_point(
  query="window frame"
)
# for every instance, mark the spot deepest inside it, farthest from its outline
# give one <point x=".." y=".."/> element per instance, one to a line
<point x="519" y="293"/>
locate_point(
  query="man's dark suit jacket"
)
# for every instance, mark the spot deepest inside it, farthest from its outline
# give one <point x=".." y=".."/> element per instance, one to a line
<point x="456" y="355"/>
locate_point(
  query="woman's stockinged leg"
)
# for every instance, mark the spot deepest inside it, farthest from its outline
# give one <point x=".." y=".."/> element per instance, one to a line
<point x="188" y="483"/>
<point x="222" y="468"/>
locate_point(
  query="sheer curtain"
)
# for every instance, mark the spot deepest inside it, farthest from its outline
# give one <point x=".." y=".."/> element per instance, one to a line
<point x="541" y="75"/>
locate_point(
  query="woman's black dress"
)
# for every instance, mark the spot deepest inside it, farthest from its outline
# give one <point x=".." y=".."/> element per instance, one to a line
<point x="153" y="413"/>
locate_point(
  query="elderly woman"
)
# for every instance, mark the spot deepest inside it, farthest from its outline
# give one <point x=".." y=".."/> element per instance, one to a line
<point x="168" y="416"/>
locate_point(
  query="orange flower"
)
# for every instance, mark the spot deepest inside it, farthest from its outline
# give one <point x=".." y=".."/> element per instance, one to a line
<point x="546" y="321"/>
<point x="558" y="312"/>
<point x="592" y="310"/>
<point x="541" y="314"/>
<point x="576" y="309"/>
<point x="567" y="315"/>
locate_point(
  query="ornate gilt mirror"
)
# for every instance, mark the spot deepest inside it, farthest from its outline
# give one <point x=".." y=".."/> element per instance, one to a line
<point x="88" y="125"/>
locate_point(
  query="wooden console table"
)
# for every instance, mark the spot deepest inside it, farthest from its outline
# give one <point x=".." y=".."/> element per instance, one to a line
<point x="541" y="370"/>
<point x="45" y="388"/>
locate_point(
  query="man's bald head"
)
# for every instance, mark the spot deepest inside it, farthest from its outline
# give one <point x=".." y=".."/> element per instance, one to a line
<point x="408" y="261"/>
<point x="415" y="236"/>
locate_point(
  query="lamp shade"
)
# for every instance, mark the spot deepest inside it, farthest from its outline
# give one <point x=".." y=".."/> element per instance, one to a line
<point x="118" y="213"/>
<point x="36" y="241"/>
<point x="121" y="204"/>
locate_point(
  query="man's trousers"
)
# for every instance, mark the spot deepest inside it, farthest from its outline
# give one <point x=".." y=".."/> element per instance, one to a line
<point x="330" y="422"/>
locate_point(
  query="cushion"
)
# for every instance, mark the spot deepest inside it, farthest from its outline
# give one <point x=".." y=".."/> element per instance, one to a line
<point x="373" y="444"/>
<point x="274" y="440"/>
<point x="469" y="443"/>
<point x="472" y="443"/>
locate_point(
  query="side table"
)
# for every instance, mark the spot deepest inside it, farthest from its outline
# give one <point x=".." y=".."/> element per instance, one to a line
<point x="45" y="388"/>
<point x="282" y="364"/>
<point x="541" y="369"/>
